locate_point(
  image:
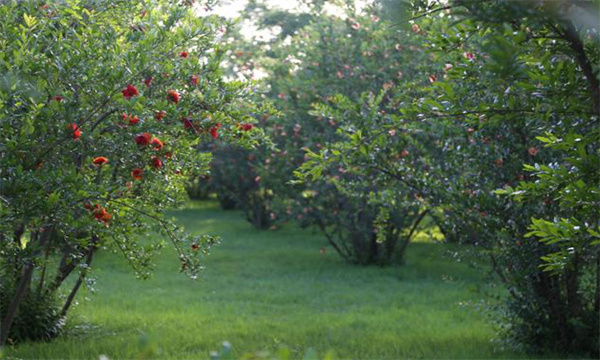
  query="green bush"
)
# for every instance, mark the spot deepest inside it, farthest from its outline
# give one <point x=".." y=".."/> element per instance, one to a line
<point x="38" y="316"/>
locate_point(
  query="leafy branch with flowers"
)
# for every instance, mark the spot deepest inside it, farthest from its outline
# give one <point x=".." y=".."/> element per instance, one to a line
<point x="104" y="110"/>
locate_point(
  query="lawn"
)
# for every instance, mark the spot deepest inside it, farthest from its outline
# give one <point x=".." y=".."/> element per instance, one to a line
<point x="265" y="290"/>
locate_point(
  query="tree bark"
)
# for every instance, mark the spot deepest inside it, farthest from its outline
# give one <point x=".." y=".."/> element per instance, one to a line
<point x="43" y="235"/>
<point x="597" y="300"/>
<point x="572" y="36"/>
<point x="90" y="255"/>
<point x="11" y="312"/>
<point x="412" y="230"/>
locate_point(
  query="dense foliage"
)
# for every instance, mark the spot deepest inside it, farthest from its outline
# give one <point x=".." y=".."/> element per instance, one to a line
<point x="479" y="117"/>
<point x="103" y="108"/>
<point x="484" y="115"/>
<point x="512" y="110"/>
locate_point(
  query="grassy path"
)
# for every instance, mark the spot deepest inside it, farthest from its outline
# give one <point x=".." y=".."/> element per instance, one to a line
<point x="266" y="289"/>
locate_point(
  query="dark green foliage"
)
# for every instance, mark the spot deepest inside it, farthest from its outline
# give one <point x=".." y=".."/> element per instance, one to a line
<point x="238" y="185"/>
<point x="198" y="188"/>
<point x="38" y="316"/>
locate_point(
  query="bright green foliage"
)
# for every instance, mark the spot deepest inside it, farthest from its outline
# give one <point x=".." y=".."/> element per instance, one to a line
<point x="103" y="106"/>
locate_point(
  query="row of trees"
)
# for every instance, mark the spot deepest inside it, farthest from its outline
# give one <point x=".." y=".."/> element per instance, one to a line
<point x="479" y="116"/>
<point x="482" y="116"/>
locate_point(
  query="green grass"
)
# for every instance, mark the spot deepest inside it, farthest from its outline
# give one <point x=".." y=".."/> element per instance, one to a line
<point x="263" y="290"/>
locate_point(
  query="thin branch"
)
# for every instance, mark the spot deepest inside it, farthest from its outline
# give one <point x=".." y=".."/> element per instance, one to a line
<point x="505" y="111"/>
<point x="427" y="13"/>
<point x="572" y="36"/>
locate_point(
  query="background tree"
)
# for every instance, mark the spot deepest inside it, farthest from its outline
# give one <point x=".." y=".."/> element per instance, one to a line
<point x="507" y="74"/>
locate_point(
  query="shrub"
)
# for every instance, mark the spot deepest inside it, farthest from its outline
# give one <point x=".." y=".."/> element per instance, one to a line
<point x="103" y="107"/>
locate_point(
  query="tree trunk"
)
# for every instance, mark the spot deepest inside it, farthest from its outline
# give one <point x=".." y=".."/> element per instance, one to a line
<point x="11" y="312"/>
<point x="597" y="299"/>
<point x="91" y="250"/>
<point x="405" y="243"/>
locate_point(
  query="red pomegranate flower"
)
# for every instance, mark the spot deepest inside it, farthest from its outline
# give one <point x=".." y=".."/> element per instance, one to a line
<point x="194" y="80"/>
<point x="102" y="215"/>
<point x="148" y="80"/>
<point x="183" y="54"/>
<point x="246" y="127"/>
<point x="100" y="160"/>
<point x="159" y="115"/>
<point x="58" y="98"/>
<point x="173" y="96"/>
<point x="532" y="151"/>
<point x="187" y="123"/>
<point x="143" y="139"/>
<point x="76" y="131"/>
<point x="132" y="120"/>
<point x="137" y="174"/>
<point x="129" y="92"/>
<point x="158" y="145"/>
<point x="156" y="162"/>
<point x="214" y="131"/>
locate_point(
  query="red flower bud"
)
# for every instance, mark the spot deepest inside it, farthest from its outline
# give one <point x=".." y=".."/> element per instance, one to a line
<point x="214" y="132"/>
<point x="137" y="174"/>
<point x="156" y="162"/>
<point x="246" y="127"/>
<point x="159" y="115"/>
<point x="133" y="120"/>
<point x="101" y="160"/>
<point x="76" y="131"/>
<point x="173" y="96"/>
<point x="187" y="123"/>
<point x="158" y="145"/>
